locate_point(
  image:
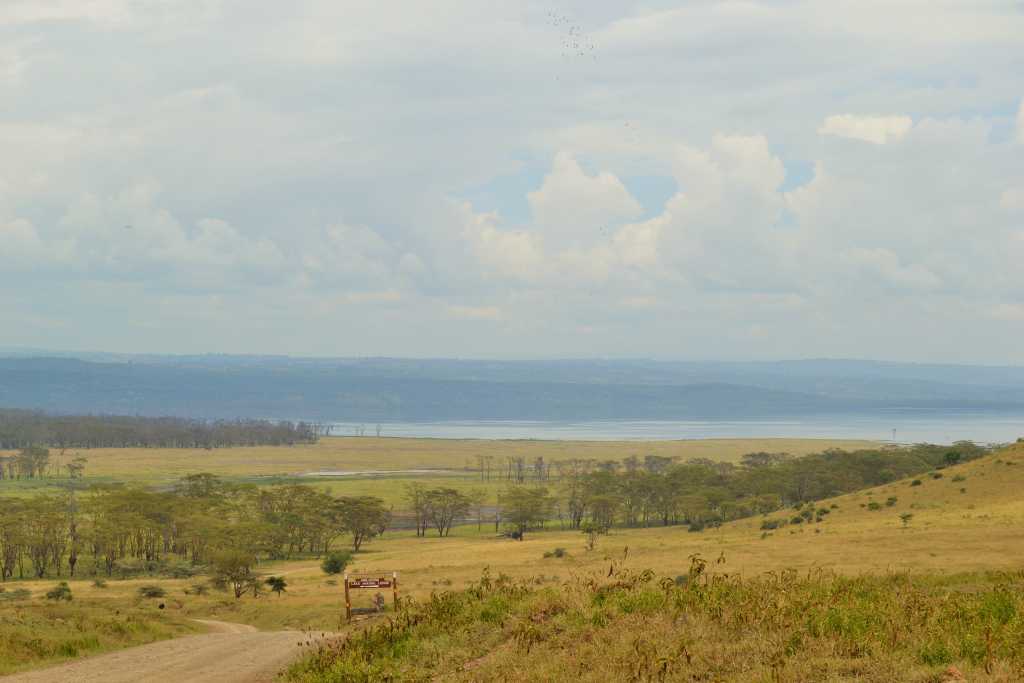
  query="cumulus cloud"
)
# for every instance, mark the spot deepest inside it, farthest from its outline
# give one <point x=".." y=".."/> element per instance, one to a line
<point x="573" y="206"/>
<point x="876" y="129"/>
<point x="685" y="186"/>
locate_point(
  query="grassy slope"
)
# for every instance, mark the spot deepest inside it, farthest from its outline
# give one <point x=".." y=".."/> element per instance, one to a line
<point x="36" y="633"/>
<point x="951" y="533"/>
<point x="954" y="609"/>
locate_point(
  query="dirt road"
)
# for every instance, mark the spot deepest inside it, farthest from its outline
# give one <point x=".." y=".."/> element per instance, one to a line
<point x="231" y="653"/>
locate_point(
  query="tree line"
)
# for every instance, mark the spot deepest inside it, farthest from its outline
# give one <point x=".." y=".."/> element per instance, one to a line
<point x="26" y="428"/>
<point x="202" y="520"/>
<point x="595" y="496"/>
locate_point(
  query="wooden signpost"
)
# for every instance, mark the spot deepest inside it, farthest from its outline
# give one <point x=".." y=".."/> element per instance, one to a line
<point x="376" y="580"/>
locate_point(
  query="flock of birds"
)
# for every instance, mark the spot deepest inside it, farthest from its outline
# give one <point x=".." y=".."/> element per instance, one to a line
<point x="574" y="42"/>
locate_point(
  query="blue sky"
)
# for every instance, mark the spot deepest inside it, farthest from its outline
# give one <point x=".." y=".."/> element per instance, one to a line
<point x="490" y="179"/>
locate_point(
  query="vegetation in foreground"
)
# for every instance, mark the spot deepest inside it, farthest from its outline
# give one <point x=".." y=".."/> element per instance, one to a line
<point x="702" y="626"/>
<point x="37" y="632"/>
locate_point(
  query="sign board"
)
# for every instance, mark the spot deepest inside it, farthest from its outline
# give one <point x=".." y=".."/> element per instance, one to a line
<point x="381" y="582"/>
<point x="371" y="581"/>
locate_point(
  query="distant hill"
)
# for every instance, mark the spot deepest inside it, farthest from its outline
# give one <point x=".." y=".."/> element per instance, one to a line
<point x="422" y="390"/>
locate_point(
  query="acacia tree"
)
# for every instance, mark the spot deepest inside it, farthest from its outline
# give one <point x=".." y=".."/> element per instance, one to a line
<point x="233" y="568"/>
<point x="363" y="516"/>
<point x="415" y="496"/>
<point x="525" y="507"/>
<point x="444" y="506"/>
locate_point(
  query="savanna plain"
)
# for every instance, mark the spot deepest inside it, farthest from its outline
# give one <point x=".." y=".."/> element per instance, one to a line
<point x="711" y="560"/>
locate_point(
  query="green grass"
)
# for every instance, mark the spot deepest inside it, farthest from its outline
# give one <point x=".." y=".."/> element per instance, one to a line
<point x="707" y="626"/>
<point x="34" y="632"/>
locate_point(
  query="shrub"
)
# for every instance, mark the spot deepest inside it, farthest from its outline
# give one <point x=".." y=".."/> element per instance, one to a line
<point x="768" y="524"/>
<point x="182" y="570"/>
<point x="959" y="477"/>
<point x="937" y="475"/>
<point x="557" y="552"/>
<point x="62" y="591"/>
<point x="277" y="584"/>
<point x="99" y="583"/>
<point x="890" y="501"/>
<point x="916" y="482"/>
<point x="797" y="520"/>
<point x="336" y="562"/>
<point x="874" y="506"/>
<point x="151" y="591"/>
<point x="15" y="595"/>
<point x="198" y="589"/>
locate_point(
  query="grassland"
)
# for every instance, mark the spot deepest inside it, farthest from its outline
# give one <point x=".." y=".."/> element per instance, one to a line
<point x="965" y="533"/>
<point x="453" y="462"/>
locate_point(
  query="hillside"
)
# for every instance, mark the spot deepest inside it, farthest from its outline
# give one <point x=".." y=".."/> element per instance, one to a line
<point x="859" y="596"/>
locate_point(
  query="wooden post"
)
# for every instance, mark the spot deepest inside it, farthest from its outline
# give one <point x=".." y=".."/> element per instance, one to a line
<point x="348" y="602"/>
<point x="394" y="587"/>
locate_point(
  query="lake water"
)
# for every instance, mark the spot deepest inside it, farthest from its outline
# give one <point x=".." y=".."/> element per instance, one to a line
<point x="937" y="429"/>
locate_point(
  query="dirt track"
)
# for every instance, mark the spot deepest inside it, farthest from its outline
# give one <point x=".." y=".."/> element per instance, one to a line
<point x="232" y="653"/>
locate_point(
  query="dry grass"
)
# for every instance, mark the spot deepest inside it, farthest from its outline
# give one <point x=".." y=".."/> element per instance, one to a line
<point x="371" y="453"/>
<point x="951" y="534"/>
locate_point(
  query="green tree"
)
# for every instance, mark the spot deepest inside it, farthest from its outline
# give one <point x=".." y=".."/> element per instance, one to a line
<point x="277" y="584"/>
<point x="363" y="516"/>
<point x="233" y="569"/>
<point x="336" y="562"/>
<point x="444" y="506"/>
<point x="592" y="530"/>
<point x="525" y="507"/>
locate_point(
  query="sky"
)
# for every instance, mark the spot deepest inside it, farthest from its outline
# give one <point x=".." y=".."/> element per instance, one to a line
<point x="684" y="180"/>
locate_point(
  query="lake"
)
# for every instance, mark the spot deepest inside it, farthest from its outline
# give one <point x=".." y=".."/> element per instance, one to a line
<point x="931" y="429"/>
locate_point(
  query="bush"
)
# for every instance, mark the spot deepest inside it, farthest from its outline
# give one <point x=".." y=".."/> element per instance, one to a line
<point x="182" y="570"/>
<point x="937" y="475"/>
<point x="874" y="506"/>
<point x="959" y="477"/>
<point x="277" y="584"/>
<point x="797" y="520"/>
<point x="336" y="562"/>
<point x="151" y="591"/>
<point x="15" y="595"/>
<point x="916" y="482"/>
<point x="99" y="583"/>
<point x="769" y="524"/>
<point x="197" y="589"/>
<point x="890" y="501"/>
<point x="557" y="552"/>
<point x="62" y="591"/>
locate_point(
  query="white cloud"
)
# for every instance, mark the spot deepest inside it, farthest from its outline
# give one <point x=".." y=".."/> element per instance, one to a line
<point x="1012" y="199"/>
<point x="877" y="129"/>
<point x="475" y="312"/>
<point x="1008" y="312"/>
<point x="276" y="159"/>
<point x="573" y="207"/>
<point x="880" y="263"/>
<point x="1020" y="122"/>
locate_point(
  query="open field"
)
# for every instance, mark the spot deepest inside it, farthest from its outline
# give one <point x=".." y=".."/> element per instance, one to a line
<point x="965" y="530"/>
<point x="453" y="459"/>
<point x="394" y="453"/>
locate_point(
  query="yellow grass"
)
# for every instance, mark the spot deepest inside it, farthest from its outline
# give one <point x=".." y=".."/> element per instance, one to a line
<point x="393" y="453"/>
<point x="951" y="533"/>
